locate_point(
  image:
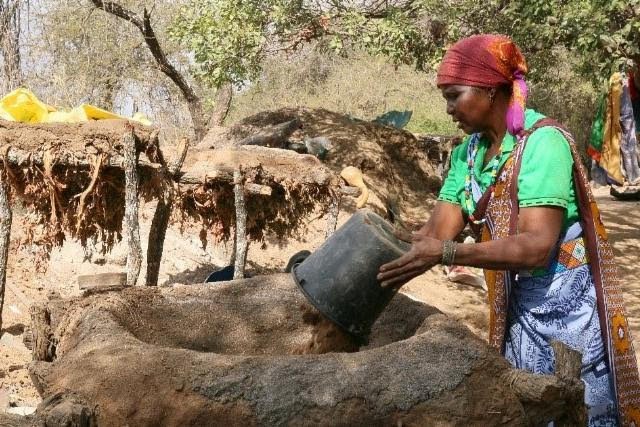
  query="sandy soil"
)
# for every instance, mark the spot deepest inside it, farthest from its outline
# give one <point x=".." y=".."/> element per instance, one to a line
<point x="186" y="262"/>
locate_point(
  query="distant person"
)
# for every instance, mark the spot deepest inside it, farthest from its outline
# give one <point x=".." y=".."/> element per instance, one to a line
<point x="549" y="269"/>
<point x="613" y="144"/>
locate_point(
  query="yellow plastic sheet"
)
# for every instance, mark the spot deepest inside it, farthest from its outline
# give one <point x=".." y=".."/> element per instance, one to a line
<point x="22" y="105"/>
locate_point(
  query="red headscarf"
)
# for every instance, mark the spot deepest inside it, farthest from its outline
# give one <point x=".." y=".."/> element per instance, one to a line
<point x="489" y="61"/>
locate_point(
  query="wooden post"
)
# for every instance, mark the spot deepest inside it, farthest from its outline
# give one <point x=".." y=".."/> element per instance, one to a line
<point x="132" y="225"/>
<point x="6" y="217"/>
<point x="332" y="215"/>
<point x="161" y="217"/>
<point x="241" y="226"/>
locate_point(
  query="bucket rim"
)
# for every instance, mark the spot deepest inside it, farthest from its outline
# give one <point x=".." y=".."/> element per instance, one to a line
<point x="384" y="230"/>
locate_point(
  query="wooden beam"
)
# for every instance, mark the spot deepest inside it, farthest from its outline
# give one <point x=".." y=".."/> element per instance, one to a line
<point x="18" y="157"/>
<point x="103" y="282"/>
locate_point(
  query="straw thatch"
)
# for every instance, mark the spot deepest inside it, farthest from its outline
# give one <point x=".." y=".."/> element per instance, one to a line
<point x="282" y="188"/>
<point x="70" y="180"/>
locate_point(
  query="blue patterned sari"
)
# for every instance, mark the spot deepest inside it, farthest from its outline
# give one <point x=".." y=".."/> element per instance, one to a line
<point x="562" y="306"/>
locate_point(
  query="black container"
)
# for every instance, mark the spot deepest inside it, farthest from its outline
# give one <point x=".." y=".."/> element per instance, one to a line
<point x="339" y="278"/>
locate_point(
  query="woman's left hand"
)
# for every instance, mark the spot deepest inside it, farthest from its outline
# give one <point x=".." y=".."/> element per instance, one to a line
<point x="425" y="252"/>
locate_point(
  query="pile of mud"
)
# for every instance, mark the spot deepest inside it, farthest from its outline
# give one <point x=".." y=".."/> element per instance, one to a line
<point x="395" y="164"/>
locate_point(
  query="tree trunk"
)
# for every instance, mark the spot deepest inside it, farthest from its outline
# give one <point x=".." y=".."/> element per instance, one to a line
<point x="221" y="106"/>
<point x="10" y="45"/>
<point x="132" y="225"/>
<point x="161" y="218"/>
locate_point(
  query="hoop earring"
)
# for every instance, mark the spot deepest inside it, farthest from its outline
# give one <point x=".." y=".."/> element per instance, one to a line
<point x="492" y="95"/>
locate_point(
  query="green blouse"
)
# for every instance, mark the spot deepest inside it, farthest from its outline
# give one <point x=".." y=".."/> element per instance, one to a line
<point x="545" y="178"/>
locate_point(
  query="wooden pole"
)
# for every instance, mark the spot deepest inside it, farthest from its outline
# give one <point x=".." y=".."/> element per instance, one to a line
<point x="6" y="217"/>
<point x="241" y="226"/>
<point x="161" y="216"/>
<point x="134" y="252"/>
<point x="332" y="215"/>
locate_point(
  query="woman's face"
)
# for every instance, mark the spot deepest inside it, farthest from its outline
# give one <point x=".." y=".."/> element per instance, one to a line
<point x="468" y="106"/>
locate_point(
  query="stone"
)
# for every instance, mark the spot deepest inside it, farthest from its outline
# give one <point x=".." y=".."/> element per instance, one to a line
<point x="21" y="410"/>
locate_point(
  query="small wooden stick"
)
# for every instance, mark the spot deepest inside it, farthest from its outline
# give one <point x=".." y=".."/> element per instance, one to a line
<point x="241" y="226"/>
<point x="134" y="254"/>
<point x="6" y="216"/>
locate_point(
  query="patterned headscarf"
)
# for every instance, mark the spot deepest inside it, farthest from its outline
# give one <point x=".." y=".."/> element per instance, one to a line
<point x="489" y="61"/>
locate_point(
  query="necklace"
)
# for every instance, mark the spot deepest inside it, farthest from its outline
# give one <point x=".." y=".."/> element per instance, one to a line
<point x="470" y="178"/>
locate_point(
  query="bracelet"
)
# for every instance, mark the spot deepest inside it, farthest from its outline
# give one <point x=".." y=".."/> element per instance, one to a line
<point x="448" y="252"/>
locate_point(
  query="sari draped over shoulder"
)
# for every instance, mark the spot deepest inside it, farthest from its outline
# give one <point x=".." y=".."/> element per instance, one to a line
<point x="579" y="301"/>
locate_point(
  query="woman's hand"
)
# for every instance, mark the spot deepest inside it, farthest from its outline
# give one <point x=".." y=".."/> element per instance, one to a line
<point x="425" y="252"/>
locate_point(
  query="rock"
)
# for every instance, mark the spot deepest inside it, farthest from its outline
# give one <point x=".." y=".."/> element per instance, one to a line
<point x="21" y="410"/>
<point x="65" y="411"/>
<point x="13" y="368"/>
<point x="13" y="342"/>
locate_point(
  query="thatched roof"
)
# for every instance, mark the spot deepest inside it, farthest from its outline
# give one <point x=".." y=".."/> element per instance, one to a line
<point x="70" y="177"/>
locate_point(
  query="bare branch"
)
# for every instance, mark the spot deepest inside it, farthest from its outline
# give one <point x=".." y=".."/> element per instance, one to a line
<point x="144" y="25"/>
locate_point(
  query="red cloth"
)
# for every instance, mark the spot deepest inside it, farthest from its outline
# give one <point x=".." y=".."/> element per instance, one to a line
<point x="484" y="60"/>
<point x="633" y="89"/>
<point x="489" y="60"/>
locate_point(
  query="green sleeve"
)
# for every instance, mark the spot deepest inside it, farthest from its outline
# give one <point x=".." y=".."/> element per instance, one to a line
<point x="453" y="186"/>
<point x="545" y="177"/>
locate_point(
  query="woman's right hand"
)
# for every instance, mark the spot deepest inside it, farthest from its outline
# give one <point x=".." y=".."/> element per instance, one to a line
<point x="425" y="252"/>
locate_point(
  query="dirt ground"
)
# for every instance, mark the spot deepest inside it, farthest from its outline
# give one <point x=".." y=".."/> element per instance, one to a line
<point x="186" y="262"/>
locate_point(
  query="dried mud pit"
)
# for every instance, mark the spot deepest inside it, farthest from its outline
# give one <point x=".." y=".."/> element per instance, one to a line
<point x="225" y="355"/>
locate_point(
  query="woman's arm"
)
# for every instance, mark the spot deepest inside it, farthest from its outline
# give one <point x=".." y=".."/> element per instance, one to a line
<point x="538" y="232"/>
<point x="445" y="223"/>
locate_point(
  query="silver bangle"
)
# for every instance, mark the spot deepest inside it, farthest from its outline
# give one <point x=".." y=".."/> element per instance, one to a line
<point x="448" y="252"/>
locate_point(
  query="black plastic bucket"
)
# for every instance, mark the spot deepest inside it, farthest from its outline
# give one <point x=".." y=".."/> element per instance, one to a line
<point x="339" y="278"/>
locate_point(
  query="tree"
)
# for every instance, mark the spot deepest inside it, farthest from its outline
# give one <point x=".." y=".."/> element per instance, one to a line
<point x="143" y="24"/>
<point x="10" y="44"/>
<point x="230" y="39"/>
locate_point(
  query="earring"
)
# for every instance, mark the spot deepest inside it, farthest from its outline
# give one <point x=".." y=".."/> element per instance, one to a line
<point x="492" y="95"/>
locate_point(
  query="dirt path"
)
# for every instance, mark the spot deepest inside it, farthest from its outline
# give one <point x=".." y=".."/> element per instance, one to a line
<point x="186" y="262"/>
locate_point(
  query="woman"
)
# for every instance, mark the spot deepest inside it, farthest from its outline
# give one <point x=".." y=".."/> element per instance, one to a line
<point x="518" y="181"/>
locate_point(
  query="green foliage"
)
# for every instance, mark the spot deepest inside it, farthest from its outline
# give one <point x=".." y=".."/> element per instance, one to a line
<point x="603" y="34"/>
<point x="230" y="39"/>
